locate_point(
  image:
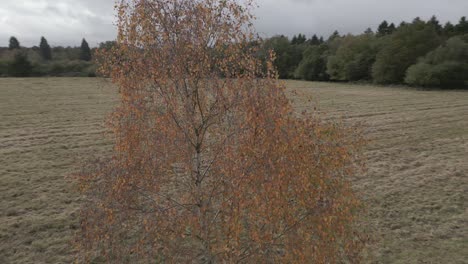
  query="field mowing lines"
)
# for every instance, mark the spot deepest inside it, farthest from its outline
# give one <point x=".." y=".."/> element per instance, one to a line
<point x="394" y="110"/>
<point x="414" y="188"/>
<point x="418" y="125"/>
<point x="54" y="133"/>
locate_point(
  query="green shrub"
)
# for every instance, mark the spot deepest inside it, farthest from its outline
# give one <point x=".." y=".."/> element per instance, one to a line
<point x="450" y="74"/>
<point x="421" y="75"/>
<point x="3" y="68"/>
<point x="20" y="66"/>
<point x="445" y="67"/>
<point x="65" y="69"/>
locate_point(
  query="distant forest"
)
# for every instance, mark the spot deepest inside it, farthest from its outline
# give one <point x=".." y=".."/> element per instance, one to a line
<point x="418" y="53"/>
<point x="43" y="60"/>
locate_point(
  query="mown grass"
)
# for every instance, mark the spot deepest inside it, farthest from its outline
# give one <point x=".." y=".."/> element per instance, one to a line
<point x="415" y="187"/>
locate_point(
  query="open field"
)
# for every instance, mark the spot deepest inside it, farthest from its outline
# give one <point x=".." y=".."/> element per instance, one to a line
<point x="416" y="187"/>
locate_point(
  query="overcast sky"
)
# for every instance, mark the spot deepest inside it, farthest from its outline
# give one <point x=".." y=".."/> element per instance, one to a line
<point x="65" y="22"/>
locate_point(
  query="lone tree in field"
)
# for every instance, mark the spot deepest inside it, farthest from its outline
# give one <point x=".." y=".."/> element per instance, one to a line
<point x="14" y="43"/>
<point x="85" y="51"/>
<point x="45" y="50"/>
<point x="210" y="163"/>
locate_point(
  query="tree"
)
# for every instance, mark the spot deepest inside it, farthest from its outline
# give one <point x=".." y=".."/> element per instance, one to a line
<point x="300" y="39"/>
<point x="321" y="40"/>
<point x="210" y="163"/>
<point x="434" y="22"/>
<point x="3" y="69"/>
<point x="382" y="30"/>
<point x="313" y="66"/>
<point x="283" y="62"/>
<point x="417" y="20"/>
<point x="314" y="40"/>
<point x="402" y="49"/>
<point x="445" y="67"/>
<point x="333" y="36"/>
<point x="20" y="66"/>
<point x="462" y="26"/>
<point x="85" y="51"/>
<point x="385" y="29"/>
<point x="104" y="47"/>
<point x="445" y="75"/>
<point x="45" y="50"/>
<point x="449" y="29"/>
<point x="391" y="28"/>
<point x="107" y="45"/>
<point x="14" y="43"/>
<point x="369" y="31"/>
<point x="288" y="56"/>
<point x="353" y="59"/>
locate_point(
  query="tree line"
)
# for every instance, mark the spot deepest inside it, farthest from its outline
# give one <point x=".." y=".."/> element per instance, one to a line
<point x="419" y="53"/>
<point x="44" y="60"/>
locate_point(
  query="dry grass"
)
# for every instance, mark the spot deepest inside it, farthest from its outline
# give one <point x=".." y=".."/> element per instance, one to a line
<point x="417" y="184"/>
<point x="416" y="187"/>
<point x="46" y="125"/>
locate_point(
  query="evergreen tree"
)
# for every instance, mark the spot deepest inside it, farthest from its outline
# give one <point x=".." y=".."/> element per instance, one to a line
<point x="314" y="40"/>
<point x="382" y="30"/>
<point x="435" y="23"/>
<point x="334" y="35"/>
<point x="321" y="40"/>
<point x="369" y="31"/>
<point x="391" y="28"/>
<point x="462" y="26"/>
<point x="294" y="40"/>
<point x="14" y="43"/>
<point x="45" y="50"/>
<point x="449" y="29"/>
<point x="300" y="39"/>
<point x="85" y="51"/>
<point x="417" y="20"/>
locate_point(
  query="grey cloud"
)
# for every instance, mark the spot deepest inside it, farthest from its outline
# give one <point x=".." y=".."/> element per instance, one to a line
<point x="65" y="22"/>
<point x="348" y="16"/>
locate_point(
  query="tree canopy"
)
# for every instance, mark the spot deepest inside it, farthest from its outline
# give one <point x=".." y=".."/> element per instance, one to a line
<point x="353" y="59"/>
<point x="445" y="67"/>
<point x="210" y="162"/>
<point x="402" y="49"/>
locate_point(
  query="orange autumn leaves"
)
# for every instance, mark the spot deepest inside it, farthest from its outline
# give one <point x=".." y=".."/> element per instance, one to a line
<point x="210" y="162"/>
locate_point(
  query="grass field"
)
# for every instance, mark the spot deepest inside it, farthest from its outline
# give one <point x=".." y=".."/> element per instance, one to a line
<point x="416" y="186"/>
